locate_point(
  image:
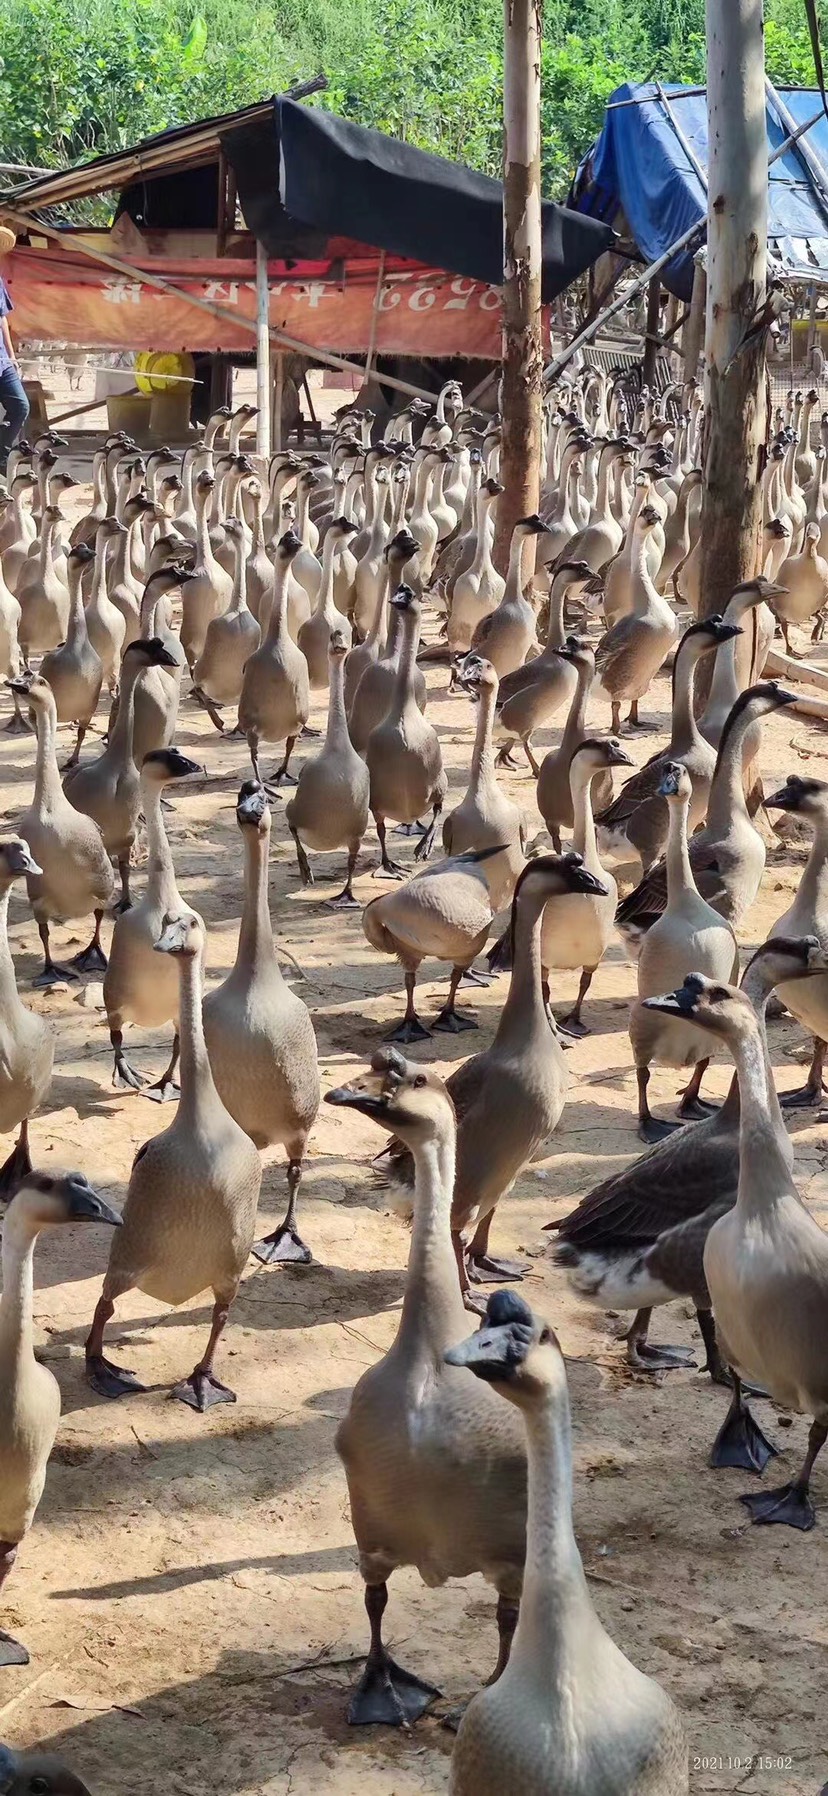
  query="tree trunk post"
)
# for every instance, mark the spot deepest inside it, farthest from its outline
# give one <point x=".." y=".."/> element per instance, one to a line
<point x="692" y="336"/>
<point x="651" y="333"/>
<point x="262" y="354"/>
<point x="736" y="299"/>
<point x="522" y="372"/>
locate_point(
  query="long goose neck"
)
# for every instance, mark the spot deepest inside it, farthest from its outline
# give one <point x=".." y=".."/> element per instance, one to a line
<point x="336" y="734"/>
<point x="432" y="1307"/>
<point x="524" y="1011"/>
<point x="638" y="563"/>
<point x="575" y="727"/>
<point x="255" y="947"/>
<point x="379" y="624"/>
<point x="727" y="791"/>
<point x="118" y="564"/>
<point x="514" y="572"/>
<point x="584" y="839"/>
<point x="481" y="547"/>
<point x="76" y="624"/>
<point x="679" y="871"/>
<point x="277" y="622"/>
<point x="602" y="499"/>
<point x="555" y="1592"/>
<point x="8" y="983"/>
<point x="120" y="736"/>
<point x="764" y="1164"/>
<point x="47" y="773"/>
<point x="557" y="600"/>
<point x="684" y="729"/>
<point x="16" y="1329"/>
<point x="197" y="1087"/>
<point x="160" y="868"/>
<point x="403" y="693"/>
<point x="482" y="760"/>
<point x="98" y="594"/>
<point x="325" y="606"/>
<point x="813" y="886"/>
<point x="203" y="544"/>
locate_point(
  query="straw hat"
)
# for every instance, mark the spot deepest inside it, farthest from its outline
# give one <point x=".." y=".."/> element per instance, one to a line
<point x="8" y="239"/>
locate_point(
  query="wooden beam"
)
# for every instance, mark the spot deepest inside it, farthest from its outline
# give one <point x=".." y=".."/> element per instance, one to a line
<point x="262" y="353"/>
<point x="522" y="379"/>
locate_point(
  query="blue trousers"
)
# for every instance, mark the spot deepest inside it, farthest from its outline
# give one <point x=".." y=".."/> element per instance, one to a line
<point x="16" y="407"/>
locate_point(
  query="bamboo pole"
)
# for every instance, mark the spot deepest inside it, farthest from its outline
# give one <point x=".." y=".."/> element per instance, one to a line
<point x="522" y="377"/>
<point x="262" y="353"/>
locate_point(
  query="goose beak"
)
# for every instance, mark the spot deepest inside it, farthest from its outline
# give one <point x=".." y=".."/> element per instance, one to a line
<point x="86" y="1206"/>
<point x="369" y="1103"/>
<point x="20" y="860"/>
<point x="679" y="1003"/>
<point x="726" y="632"/>
<point x="783" y="800"/>
<point x="252" y="803"/>
<point x="495" y="1353"/>
<point x="579" y="879"/>
<point x="668" y="785"/>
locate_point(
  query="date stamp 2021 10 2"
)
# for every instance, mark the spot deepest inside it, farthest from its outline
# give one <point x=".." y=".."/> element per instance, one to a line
<point x="745" y="1762"/>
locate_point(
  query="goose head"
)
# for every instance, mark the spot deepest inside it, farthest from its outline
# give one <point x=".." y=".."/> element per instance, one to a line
<point x="759" y="701"/>
<point x="554" y="875"/>
<point x="709" y="633"/>
<point x="530" y="526"/>
<point x="288" y="548"/>
<point x="182" y="935"/>
<point x="399" y="1095"/>
<point x="338" y="646"/>
<point x="406" y="601"/>
<point x="167" y="766"/>
<point x="578" y="652"/>
<point x="760" y="590"/>
<point x="597" y="752"/>
<point x="151" y="650"/>
<point x="341" y="528"/>
<point x="16" y="860"/>
<point x="49" y="1199"/>
<point x="573" y="575"/>
<point x="252" y="809"/>
<point x="675" y="782"/>
<point x="647" y="519"/>
<point x="110" y="527"/>
<point x="80" y="556"/>
<point x="36" y="1774"/>
<point x="204" y="484"/>
<point x="513" y="1350"/>
<point x="805" y="797"/>
<point x="477" y="675"/>
<point x="492" y="487"/>
<point x="38" y="692"/>
<point x="785" y="958"/>
<point x="706" y="1003"/>
<point x="401" y="547"/>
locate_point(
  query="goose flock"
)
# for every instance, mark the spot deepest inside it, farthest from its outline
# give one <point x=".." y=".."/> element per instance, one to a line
<point x="209" y="583"/>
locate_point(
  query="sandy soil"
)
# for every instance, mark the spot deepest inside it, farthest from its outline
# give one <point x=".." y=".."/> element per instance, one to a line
<point x="189" y="1591"/>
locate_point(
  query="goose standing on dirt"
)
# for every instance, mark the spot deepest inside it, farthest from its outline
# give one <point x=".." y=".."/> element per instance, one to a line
<point x="231" y="639"/>
<point x="74" y="670"/>
<point x="570" y="1712"/>
<point x="637" y="1240"/>
<point x="260" y="1037"/>
<point x="765" y="1262"/>
<point x="485" y="817"/>
<point x="329" y="808"/>
<point x="415" y="1426"/>
<point x="530" y="696"/>
<point x="75" y="876"/>
<point x="105" y="622"/>
<point x="26" y="1040"/>
<point x="315" y="635"/>
<point x="507" y="635"/>
<point x="29" y="1392"/>
<point x="190" y="1210"/>
<point x="443" y="913"/>
<point x="274" y="703"/>
<point x="631" y="652"/>
<point x="141" y="986"/>
<point x="690" y="934"/>
<point x="578" y="932"/>
<point x="509" y="1099"/>
<point x="808" y="915"/>
<point x="403" y="753"/>
<point x="554" y="792"/>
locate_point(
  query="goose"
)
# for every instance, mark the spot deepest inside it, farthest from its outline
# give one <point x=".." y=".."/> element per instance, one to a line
<point x="36" y="1774"/>
<point x="230" y="639"/>
<point x="315" y="635"/>
<point x="808" y="915"/>
<point x="403" y="751"/>
<point x="530" y="696"/>
<point x="727" y="856"/>
<point x="509" y="1099"/>
<point x="157" y="689"/>
<point x="637" y="1239"/>
<point x="765" y="1262"/>
<point x="190" y="1209"/>
<point x="554" y="792"/>
<point x="506" y="636"/>
<point x="139" y="986"/>
<point x="42" y="595"/>
<point x="306" y="569"/>
<point x="679" y="533"/>
<point x="415" y="1426"/>
<point x="478" y="589"/>
<point x="485" y="817"/>
<point x="123" y="588"/>
<point x="29" y="1392"/>
<point x="375" y="688"/>
<point x="260" y="1037"/>
<point x="740" y="662"/>
<point x="804" y="582"/>
<point x="75" y="873"/>
<point x="577" y="933"/>
<point x="631" y="652"/>
<point x="370" y="560"/>
<point x="329" y="808"/>
<point x="622" y="578"/>
<point x="10" y="653"/>
<point x="26" y="1040"/>
<point x="259" y="565"/>
<point x="105" y="621"/>
<point x="398" y="554"/>
<point x="634" y="825"/>
<point x="603" y="535"/>
<point x="108" y="788"/>
<point x="688" y="934"/>
<point x="570" y="1712"/>
<point x="208" y="588"/>
<point x="443" y="913"/>
<point x="275" y="696"/>
<point x="75" y="671"/>
<point x="20" y="532"/>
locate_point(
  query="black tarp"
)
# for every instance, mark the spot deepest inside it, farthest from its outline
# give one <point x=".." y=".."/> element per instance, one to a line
<point x="306" y="175"/>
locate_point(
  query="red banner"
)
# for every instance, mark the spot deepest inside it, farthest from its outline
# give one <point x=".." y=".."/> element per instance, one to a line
<point x="334" y="305"/>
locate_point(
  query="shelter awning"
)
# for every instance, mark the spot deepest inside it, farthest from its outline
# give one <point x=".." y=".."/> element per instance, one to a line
<point x="639" y="167"/>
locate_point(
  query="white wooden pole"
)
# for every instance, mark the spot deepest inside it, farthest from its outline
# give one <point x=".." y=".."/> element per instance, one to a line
<point x="522" y="375"/>
<point x="262" y="353"/>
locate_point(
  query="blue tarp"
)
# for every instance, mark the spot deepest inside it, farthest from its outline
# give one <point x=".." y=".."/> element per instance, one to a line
<point x="639" y="167"/>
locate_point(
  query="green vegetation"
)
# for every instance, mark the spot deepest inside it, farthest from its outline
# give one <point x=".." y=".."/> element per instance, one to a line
<point x="78" y="77"/>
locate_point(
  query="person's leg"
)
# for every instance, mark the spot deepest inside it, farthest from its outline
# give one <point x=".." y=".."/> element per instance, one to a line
<point x="16" y="407"/>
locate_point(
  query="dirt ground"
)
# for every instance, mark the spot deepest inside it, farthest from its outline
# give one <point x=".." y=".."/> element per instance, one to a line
<point x="189" y="1591"/>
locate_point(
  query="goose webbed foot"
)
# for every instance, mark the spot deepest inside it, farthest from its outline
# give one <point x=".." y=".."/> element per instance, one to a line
<point x="124" y="1075"/>
<point x="572" y="1025"/>
<point x="487" y="1269"/>
<point x="284" y="1247"/>
<point x="740" y="1441"/>
<point x="344" y="900"/>
<point x="213" y="710"/>
<point x="651" y="1130"/>
<point x="110" y="1380"/>
<point x="17" y="725"/>
<point x="202" y="1391"/>
<point x="16" y="1166"/>
<point x="92" y="958"/>
<point x="472" y="976"/>
<point x="505" y="758"/>
<point x="12" y="1652"/>
<point x="646" y="1357"/>
<point x="790" y="1505"/>
<point x="54" y="973"/>
<point x="696" y="1109"/>
<point x="166" y="1090"/>
<point x="389" y="1696"/>
<point x="425" y="845"/>
<point x="409" y="829"/>
<point x="389" y="869"/>
<point x="307" y="731"/>
<point x="409" y="1030"/>
<point x="452" y="1022"/>
<point x="806" y="1097"/>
